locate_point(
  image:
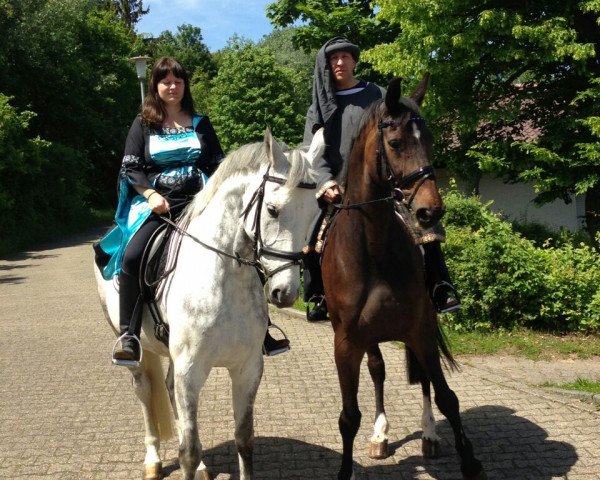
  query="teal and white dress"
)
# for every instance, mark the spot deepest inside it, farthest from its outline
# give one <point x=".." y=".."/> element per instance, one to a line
<point x="174" y="162"/>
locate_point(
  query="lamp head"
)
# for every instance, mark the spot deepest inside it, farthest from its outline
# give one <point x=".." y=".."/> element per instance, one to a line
<point x="141" y="63"/>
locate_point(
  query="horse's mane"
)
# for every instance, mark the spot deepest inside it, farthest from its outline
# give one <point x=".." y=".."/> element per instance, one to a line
<point x="247" y="160"/>
<point x="369" y="114"/>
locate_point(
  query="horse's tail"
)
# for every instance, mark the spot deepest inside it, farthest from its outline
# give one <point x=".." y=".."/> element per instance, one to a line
<point x="162" y="414"/>
<point x="415" y="372"/>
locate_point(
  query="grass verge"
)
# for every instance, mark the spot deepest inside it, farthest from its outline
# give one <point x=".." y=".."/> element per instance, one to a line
<point x="521" y="342"/>
<point x="580" y="385"/>
<point x="525" y="343"/>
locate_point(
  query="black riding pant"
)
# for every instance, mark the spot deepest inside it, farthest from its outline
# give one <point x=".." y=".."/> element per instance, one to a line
<point x="130" y="306"/>
<point x="132" y="257"/>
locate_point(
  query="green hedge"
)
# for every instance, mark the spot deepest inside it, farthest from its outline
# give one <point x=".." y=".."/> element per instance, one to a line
<point x="505" y="281"/>
<point x="41" y="184"/>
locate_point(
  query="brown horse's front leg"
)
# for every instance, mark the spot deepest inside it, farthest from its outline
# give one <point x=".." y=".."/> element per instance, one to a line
<point x="347" y="359"/>
<point x="379" y="441"/>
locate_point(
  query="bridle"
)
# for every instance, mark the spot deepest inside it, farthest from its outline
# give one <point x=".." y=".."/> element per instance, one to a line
<point x="258" y="247"/>
<point x="398" y="183"/>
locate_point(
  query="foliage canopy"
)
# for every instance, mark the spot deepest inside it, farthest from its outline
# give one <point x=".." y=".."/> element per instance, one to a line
<point x="514" y="89"/>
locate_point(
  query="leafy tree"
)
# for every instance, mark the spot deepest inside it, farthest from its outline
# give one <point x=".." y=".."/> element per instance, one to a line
<point x="42" y="189"/>
<point x="324" y="19"/>
<point x="281" y="43"/>
<point x="128" y="11"/>
<point x="513" y="89"/>
<point x="500" y="69"/>
<point x="251" y="92"/>
<point x="188" y="47"/>
<point x="67" y="62"/>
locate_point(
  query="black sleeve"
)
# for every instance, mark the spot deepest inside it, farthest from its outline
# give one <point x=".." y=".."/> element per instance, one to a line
<point x="132" y="167"/>
<point x="212" y="153"/>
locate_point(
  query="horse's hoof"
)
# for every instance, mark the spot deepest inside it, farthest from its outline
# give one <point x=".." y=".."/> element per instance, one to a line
<point x="202" y="475"/>
<point x="430" y="448"/>
<point x="378" y="450"/>
<point x="153" y="471"/>
<point x="480" y="476"/>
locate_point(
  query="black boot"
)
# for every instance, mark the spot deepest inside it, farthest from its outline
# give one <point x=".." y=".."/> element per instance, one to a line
<point x="319" y="311"/>
<point x="442" y="292"/>
<point x="272" y="346"/>
<point x="127" y="349"/>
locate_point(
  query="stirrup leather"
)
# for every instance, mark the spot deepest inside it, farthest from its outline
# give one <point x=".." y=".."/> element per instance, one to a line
<point x="127" y="363"/>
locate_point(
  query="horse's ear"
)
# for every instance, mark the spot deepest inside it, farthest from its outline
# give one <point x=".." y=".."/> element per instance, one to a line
<point x="274" y="151"/>
<point x="419" y="93"/>
<point x="268" y="139"/>
<point x="394" y="91"/>
<point x="317" y="146"/>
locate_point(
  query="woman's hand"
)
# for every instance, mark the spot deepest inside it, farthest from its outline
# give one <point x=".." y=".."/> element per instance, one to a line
<point x="158" y="203"/>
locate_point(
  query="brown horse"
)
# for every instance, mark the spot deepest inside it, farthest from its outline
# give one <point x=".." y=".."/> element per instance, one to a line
<point x="373" y="271"/>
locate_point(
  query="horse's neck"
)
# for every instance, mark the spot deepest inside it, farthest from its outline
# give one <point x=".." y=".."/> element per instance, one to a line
<point x="219" y="223"/>
<point x="378" y="222"/>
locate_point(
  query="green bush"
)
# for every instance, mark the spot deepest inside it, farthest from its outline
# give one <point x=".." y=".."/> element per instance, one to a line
<point x="507" y="281"/>
<point x="41" y="183"/>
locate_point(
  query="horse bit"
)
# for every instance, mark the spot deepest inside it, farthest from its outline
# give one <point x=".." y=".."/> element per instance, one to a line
<point x="258" y="247"/>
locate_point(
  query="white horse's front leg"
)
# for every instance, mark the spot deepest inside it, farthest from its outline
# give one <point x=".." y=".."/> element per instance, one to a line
<point x="189" y="377"/>
<point x="143" y="390"/>
<point x="430" y="441"/>
<point x="245" y="384"/>
<point x="202" y="471"/>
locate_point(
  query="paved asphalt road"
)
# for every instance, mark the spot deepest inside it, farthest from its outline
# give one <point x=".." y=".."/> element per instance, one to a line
<point x="67" y="413"/>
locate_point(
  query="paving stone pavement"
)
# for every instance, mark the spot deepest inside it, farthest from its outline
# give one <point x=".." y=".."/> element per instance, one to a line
<point x="67" y="413"/>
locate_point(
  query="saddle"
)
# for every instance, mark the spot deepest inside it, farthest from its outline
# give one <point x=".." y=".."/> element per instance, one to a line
<point x="319" y="237"/>
<point x="154" y="268"/>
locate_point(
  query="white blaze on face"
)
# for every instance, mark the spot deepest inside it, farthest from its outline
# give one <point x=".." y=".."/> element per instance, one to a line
<point x="416" y="131"/>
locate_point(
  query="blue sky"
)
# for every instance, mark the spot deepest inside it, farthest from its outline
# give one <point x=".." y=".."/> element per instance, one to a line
<point x="217" y="19"/>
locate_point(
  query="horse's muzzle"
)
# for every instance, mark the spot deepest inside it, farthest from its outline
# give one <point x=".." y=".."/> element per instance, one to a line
<point x="282" y="298"/>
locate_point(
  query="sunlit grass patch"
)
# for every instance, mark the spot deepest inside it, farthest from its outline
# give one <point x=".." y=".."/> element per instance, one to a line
<point x="580" y="385"/>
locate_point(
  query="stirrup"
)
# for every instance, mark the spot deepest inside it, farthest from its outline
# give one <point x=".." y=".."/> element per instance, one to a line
<point x="322" y="313"/>
<point x="127" y="363"/>
<point x="452" y="307"/>
<point x="276" y="351"/>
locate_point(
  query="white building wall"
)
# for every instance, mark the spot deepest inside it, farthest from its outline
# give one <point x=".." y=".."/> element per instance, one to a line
<point x="515" y="201"/>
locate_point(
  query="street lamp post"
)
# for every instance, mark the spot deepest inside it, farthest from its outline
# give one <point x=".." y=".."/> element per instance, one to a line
<point x="140" y="68"/>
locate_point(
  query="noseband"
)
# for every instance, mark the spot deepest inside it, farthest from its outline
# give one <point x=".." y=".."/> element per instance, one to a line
<point x="400" y="183"/>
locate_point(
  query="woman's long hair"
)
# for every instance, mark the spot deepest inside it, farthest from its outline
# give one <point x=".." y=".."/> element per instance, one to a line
<point x="153" y="109"/>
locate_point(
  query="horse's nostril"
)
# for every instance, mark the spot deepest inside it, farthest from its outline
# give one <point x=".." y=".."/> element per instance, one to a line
<point x="424" y="216"/>
<point x="276" y="295"/>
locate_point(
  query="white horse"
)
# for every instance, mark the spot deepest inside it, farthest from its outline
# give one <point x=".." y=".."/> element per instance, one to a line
<point x="259" y="206"/>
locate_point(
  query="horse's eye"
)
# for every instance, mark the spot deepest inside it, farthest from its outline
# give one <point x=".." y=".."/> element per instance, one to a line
<point x="395" y="144"/>
<point x="273" y="210"/>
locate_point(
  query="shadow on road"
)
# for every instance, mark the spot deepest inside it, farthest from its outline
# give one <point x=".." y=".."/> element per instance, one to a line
<point x="70" y="241"/>
<point x="509" y="447"/>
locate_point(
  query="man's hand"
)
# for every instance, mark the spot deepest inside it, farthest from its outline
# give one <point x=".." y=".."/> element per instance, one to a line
<point x="332" y="194"/>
